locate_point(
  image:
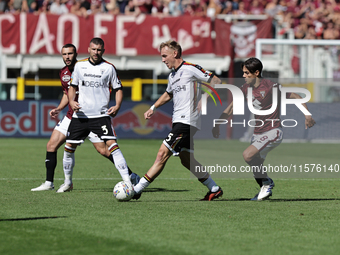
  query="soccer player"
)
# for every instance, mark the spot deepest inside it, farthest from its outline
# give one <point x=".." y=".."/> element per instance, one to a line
<point x="94" y="78"/>
<point x="58" y="137"/>
<point x="182" y="89"/>
<point x="267" y="136"/>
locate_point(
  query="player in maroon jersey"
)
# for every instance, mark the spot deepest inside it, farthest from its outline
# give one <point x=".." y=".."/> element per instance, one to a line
<point x="58" y="137"/>
<point x="267" y="134"/>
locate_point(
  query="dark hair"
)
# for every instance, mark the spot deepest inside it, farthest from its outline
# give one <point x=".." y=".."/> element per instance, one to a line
<point x="97" y="41"/>
<point x="70" y="45"/>
<point x="253" y="65"/>
<point x="172" y="45"/>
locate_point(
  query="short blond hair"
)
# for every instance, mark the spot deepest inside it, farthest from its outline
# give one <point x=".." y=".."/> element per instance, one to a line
<point x="172" y="45"/>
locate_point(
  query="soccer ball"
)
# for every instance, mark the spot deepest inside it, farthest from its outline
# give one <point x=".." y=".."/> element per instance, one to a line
<point x="123" y="191"/>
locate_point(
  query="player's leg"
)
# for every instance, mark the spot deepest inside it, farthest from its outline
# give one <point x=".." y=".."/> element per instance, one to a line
<point x="188" y="160"/>
<point x="77" y="132"/>
<point x="103" y="149"/>
<point x="171" y="146"/>
<point x="255" y="155"/>
<point x="162" y="157"/>
<point x="103" y="128"/>
<point x="252" y="157"/>
<point x="58" y="137"/>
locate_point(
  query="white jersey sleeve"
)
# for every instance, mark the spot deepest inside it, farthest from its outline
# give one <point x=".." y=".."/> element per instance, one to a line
<point x="75" y="81"/>
<point x="115" y="81"/>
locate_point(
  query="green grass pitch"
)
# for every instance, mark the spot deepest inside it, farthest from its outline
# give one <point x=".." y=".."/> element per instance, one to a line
<point x="302" y="217"/>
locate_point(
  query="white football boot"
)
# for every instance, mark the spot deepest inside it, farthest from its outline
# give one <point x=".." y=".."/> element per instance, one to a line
<point x="43" y="187"/>
<point x="266" y="189"/>
<point x="65" y="188"/>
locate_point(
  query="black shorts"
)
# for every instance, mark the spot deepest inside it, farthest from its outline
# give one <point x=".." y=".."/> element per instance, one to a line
<point x="80" y="128"/>
<point x="180" y="138"/>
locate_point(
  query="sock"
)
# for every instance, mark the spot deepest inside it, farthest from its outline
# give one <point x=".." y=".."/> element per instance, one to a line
<point x="143" y="183"/>
<point x="68" y="164"/>
<point x="111" y="159"/>
<point x="50" y="163"/>
<point x="259" y="181"/>
<point x="49" y="183"/>
<point x="130" y="172"/>
<point x="209" y="182"/>
<point x="120" y="162"/>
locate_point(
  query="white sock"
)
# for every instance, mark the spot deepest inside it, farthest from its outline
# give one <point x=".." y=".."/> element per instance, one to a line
<point x="68" y="164"/>
<point x="120" y="162"/>
<point x="210" y="183"/>
<point x="49" y="183"/>
<point x="142" y="184"/>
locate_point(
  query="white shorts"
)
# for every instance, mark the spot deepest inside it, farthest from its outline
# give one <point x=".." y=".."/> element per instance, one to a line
<point x="63" y="125"/>
<point x="267" y="141"/>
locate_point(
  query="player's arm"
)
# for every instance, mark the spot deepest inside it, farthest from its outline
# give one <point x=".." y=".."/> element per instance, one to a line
<point x="215" y="80"/>
<point x="113" y="111"/>
<point x="225" y="115"/>
<point x="166" y="97"/>
<point x="63" y="103"/>
<point x="71" y="96"/>
<point x="309" y="121"/>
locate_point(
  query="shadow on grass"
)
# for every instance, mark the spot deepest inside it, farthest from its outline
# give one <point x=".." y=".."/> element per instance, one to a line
<point x="277" y="199"/>
<point x="144" y="191"/>
<point x="34" y="218"/>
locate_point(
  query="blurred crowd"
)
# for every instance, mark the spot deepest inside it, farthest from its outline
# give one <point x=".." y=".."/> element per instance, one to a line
<point x="318" y="19"/>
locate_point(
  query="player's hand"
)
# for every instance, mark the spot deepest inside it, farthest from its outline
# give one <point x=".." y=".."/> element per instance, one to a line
<point x="54" y="112"/>
<point x="148" y="114"/>
<point x="75" y="106"/>
<point x="113" y="111"/>
<point x="309" y="122"/>
<point x="199" y="106"/>
<point x="216" y="132"/>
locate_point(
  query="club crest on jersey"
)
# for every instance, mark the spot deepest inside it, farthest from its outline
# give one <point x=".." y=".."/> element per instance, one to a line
<point x="102" y="71"/>
<point x="263" y="93"/>
<point x="66" y="78"/>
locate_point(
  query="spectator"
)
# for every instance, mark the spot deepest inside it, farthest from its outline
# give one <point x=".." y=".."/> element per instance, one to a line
<point x="158" y="9"/>
<point x="175" y="8"/>
<point x="78" y="9"/>
<point x="330" y="32"/>
<point x="255" y="8"/>
<point x="131" y="9"/>
<point x="241" y="9"/>
<point x="58" y="8"/>
<point x="145" y="6"/>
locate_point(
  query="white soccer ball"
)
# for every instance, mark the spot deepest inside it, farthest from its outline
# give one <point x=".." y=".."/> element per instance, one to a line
<point x="123" y="191"/>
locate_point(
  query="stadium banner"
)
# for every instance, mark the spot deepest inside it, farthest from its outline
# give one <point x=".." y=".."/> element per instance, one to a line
<point x="242" y="35"/>
<point x="31" y="119"/>
<point x="123" y="35"/>
<point x="128" y="35"/>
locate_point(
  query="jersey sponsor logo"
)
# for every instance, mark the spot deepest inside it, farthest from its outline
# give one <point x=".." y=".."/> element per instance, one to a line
<point x="66" y="78"/>
<point x="94" y="84"/>
<point x="92" y="75"/>
<point x="180" y="88"/>
<point x="176" y="81"/>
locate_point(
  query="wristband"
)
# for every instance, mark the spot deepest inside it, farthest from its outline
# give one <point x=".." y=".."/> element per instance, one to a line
<point x="153" y="107"/>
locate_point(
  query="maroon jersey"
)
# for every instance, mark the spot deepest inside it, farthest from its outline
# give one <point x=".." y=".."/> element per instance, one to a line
<point x="262" y="100"/>
<point x="65" y="78"/>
